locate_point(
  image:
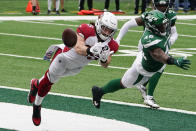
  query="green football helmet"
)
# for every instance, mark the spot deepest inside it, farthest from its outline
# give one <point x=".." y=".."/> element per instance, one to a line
<point x="159" y="3"/>
<point x="156" y="22"/>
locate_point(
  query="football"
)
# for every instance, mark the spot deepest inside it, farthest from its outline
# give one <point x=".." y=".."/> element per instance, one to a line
<point x="69" y="37"/>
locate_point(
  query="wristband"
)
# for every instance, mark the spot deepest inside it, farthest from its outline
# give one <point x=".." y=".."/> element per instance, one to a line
<point x="88" y="51"/>
<point x="170" y="61"/>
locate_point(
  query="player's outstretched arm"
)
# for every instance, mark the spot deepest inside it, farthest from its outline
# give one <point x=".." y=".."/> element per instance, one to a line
<point x="106" y="63"/>
<point x="160" y="56"/>
<point x="80" y="46"/>
<point x="129" y="24"/>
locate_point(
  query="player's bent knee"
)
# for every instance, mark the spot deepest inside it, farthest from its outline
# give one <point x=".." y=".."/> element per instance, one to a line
<point x="125" y="83"/>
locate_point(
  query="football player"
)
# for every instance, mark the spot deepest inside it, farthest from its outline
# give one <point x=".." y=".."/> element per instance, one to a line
<point x="94" y="42"/>
<point x="163" y="6"/>
<point x="150" y="60"/>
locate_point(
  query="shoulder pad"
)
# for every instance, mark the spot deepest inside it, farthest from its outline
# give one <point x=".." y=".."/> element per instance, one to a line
<point x="113" y="45"/>
<point x="86" y="30"/>
<point x="171" y="15"/>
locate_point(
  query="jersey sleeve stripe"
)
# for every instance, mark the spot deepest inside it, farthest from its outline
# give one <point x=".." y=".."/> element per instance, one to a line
<point x="152" y="43"/>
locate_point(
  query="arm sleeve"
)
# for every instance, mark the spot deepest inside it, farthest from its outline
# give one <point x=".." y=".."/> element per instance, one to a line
<point x="129" y="24"/>
<point x="174" y="35"/>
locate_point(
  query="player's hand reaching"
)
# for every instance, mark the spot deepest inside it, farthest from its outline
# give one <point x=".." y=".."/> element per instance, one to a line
<point x="103" y="57"/>
<point x="96" y="50"/>
<point x="182" y="63"/>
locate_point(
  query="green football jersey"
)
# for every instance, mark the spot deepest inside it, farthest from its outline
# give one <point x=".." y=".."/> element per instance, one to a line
<point x="171" y="16"/>
<point x="149" y="42"/>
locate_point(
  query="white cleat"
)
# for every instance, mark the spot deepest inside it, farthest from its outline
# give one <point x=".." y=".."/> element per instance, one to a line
<point x="151" y="102"/>
<point x="142" y="90"/>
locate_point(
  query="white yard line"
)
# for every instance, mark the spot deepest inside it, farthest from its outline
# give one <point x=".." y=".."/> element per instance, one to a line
<point x="30" y="36"/>
<point x="78" y="25"/>
<point x="104" y="100"/>
<point x="70" y="18"/>
<point x="48" y="23"/>
<point x="70" y="25"/>
<point x="113" y="67"/>
<point x="185" y="23"/>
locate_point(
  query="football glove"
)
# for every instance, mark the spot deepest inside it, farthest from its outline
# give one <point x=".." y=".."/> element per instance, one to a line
<point x="103" y="57"/>
<point x="182" y="63"/>
<point x="96" y="50"/>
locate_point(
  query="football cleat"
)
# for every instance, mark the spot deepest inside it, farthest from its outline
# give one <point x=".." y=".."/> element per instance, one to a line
<point x="36" y="115"/>
<point x="142" y="90"/>
<point x="33" y="90"/>
<point x="97" y="94"/>
<point x="35" y="13"/>
<point x="57" y="13"/>
<point x="49" y="12"/>
<point x="151" y="102"/>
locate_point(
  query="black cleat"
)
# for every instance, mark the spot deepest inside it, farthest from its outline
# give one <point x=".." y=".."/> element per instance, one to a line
<point x="97" y="94"/>
<point x="57" y="13"/>
<point x="49" y="12"/>
<point x="35" y="13"/>
<point x="36" y="115"/>
<point x="63" y="10"/>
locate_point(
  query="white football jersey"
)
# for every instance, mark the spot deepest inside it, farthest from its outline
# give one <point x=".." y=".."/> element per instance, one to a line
<point x="87" y="31"/>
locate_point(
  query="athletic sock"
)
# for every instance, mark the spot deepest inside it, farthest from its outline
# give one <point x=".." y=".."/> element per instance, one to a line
<point x="49" y="4"/>
<point x="112" y="86"/>
<point x="44" y="85"/>
<point x="57" y="5"/>
<point x="38" y="100"/>
<point x="153" y="83"/>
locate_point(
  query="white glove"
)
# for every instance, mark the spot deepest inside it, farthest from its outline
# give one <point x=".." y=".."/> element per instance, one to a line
<point x="104" y="56"/>
<point x="96" y="50"/>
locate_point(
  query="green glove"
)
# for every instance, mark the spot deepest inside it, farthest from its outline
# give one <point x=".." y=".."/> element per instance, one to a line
<point x="182" y="63"/>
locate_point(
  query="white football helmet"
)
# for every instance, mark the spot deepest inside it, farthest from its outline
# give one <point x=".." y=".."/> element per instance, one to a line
<point x="106" y="25"/>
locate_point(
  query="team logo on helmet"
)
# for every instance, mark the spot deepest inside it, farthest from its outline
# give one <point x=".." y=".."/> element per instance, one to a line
<point x="153" y="20"/>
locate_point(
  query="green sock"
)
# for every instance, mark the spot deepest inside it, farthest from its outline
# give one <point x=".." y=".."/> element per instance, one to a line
<point x="153" y="83"/>
<point x="112" y="86"/>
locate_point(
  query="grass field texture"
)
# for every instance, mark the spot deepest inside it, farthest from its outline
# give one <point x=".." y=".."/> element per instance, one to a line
<point x="176" y="88"/>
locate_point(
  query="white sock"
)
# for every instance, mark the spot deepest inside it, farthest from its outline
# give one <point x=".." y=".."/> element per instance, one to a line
<point x="57" y="5"/>
<point x="49" y="4"/>
<point x="38" y="100"/>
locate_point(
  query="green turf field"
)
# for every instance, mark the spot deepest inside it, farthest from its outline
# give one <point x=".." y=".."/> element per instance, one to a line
<point x="174" y="91"/>
<point x="23" y="44"/>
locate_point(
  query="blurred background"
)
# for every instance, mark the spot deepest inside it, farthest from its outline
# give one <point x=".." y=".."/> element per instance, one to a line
<point x="71" y="7"/>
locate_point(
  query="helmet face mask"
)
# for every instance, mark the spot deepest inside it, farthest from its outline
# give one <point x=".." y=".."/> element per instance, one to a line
<point x="106" y="25"/>
<point x="161" y="5"/>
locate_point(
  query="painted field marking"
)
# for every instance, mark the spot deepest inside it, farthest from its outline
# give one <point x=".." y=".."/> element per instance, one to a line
<point x="113" y="67"/>
<point x="78" y="25"/>
<point x="18" y="117"/>
<point x="104" y="100"/>
<point x="70" y="18"/>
